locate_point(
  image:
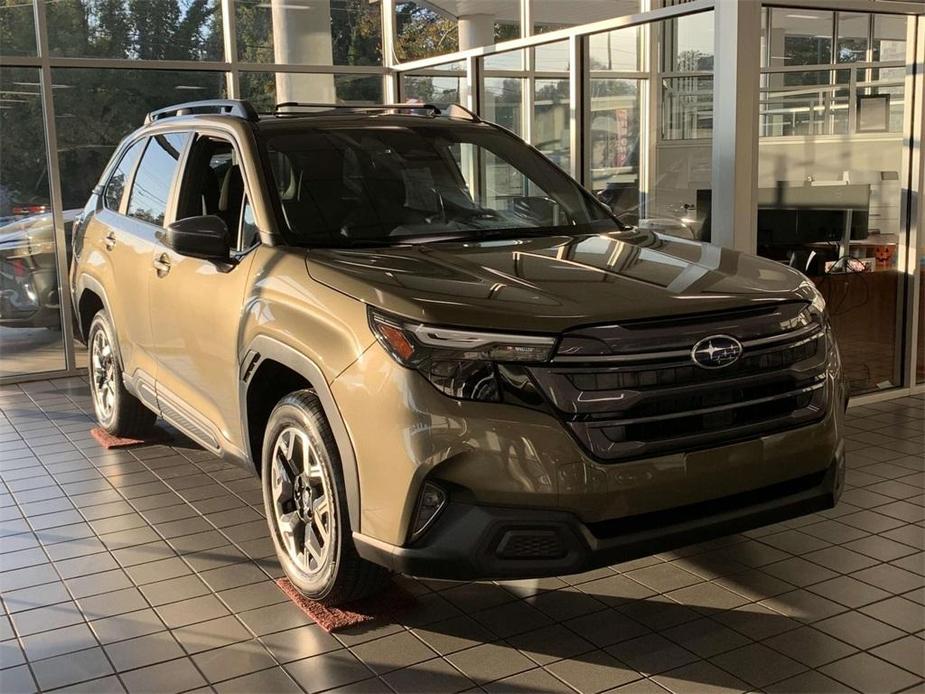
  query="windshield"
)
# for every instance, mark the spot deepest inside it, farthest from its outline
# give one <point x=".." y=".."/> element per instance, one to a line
<point x="348" y="186"/>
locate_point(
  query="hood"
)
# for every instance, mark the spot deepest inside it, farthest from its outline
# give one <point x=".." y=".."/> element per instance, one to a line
<point x="553" y="283"/>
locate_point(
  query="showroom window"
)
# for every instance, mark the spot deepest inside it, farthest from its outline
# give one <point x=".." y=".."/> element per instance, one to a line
<point x="288" y="32"/>
<point x="265" y="89"/>
<point x="135" y="30"/>
<point x="30" y="318"/>
<point x="830" y="172"/>
<point x="17" y="28"/>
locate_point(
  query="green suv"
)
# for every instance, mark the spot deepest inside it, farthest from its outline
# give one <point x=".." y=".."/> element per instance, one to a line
<point x="441" y="354"/>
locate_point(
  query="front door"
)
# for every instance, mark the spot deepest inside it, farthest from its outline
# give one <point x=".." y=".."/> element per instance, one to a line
<point x="196" y="305"/>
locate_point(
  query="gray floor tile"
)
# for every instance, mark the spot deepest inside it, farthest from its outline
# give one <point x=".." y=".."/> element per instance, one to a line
<point x="328" y="670"/>
<point x="144" y="650"/>
<point x="392" y="652"/>
<point x="906" y="653"/>
<point x="758" y="665"/>
<point x="437" y="676"/>
<point x="274" y="680"/>
<point x="178" y="614"/>
<point x="11" y="654"/>
<point x="700" y="678"/>
<point x="46" y="618"/>
<point x="298" y="643"/>
<point x="48" y="644"/>
<point x="111" y="604"/>
<point x="489" y="662"/>
<point x="809" y="682"/>
<point x="550" y="643"/>
<point x="233" y="661"/>
<point x="103" y="685"/>
<point x="17" y="680"/>
<point x="35" y="596"/>
<point x="127" y="626"/>
<point x="173" y="676"/>
<point x="706" y="637"/>
<point x="174" y="589"/>
<point x="455" y="634"/>
<point x="859" y="630"/>
<point x="95" y="584"/>
<point x="651" y="654"/>
<point x="867" y="673"/>
<point x="810" y="646"/>
<point x="214" y="633"/>
<point x="71" y="668"/>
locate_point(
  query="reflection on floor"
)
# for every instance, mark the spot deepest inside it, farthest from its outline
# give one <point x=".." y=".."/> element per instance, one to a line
<point x="34" y="350"/>
<point x="30" y="350"/>
<point x="150" y="569"/>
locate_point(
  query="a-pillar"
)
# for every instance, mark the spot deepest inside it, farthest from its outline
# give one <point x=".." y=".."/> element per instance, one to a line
<point x="302" y="36"/>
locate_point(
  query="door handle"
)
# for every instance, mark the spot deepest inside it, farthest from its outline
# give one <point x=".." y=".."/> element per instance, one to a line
<point x="110" y="240"/>
<point x="162" y="264"/>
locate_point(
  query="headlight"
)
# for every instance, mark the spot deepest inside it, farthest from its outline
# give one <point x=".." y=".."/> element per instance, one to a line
<point x="460" y="363"/>
<point x="812" y="293"/>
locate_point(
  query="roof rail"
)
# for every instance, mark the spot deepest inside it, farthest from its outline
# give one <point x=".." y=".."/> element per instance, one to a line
<point x="231" y="107"/>
<point x="454" y="111"/>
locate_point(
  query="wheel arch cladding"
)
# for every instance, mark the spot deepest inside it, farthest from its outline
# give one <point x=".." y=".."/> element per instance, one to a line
<point x="272" y="368"/>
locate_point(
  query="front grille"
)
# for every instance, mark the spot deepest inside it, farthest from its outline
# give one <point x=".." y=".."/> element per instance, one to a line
<point x="623" y="404"/>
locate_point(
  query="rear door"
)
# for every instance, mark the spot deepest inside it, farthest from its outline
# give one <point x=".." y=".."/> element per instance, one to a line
<point x="196" y="305"/>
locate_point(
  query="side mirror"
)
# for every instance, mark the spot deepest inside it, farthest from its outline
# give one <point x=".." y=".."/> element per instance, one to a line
<point x="200" y="237"/>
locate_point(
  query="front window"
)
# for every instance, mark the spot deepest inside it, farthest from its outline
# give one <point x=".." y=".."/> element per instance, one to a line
<point x="348" y="186"/>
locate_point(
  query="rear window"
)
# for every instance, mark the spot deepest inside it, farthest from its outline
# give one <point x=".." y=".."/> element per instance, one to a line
<point x="115" y="188"/>
<point x="155" y="176"/>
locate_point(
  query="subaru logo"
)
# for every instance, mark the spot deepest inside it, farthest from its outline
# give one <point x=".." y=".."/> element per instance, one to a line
<point x="716" y="351"/>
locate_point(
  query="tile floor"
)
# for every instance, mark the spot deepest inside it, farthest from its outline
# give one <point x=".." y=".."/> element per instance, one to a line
<point x="150" y="570"/>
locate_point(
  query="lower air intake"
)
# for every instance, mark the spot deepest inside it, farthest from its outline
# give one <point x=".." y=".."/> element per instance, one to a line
<point x="530" y="544"/>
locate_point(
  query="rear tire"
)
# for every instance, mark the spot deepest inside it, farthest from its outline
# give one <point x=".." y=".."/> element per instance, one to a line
<point x="306" y="505"/>
<point x="117" y="411"/>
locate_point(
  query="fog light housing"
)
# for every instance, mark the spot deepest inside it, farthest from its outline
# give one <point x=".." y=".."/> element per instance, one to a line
<point x="431" y="501"/>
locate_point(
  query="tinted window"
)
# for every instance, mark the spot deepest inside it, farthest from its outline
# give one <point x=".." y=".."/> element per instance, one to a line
<point x="116" y="186"/>
<point x="154" y="178"/>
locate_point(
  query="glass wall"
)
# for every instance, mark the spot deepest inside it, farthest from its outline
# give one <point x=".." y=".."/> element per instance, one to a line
<point x="95" y="106"/>
<point x="308" y="32"/>
<point x="832" y="105"/>
<point x="30" y="317"/>
<point x="831" y="164"/>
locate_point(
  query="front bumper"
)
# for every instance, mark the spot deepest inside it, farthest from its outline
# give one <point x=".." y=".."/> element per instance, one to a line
<point x="469" y="542"/>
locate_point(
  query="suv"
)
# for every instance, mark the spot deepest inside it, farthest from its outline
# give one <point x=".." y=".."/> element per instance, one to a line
<point x="440" y="353"/>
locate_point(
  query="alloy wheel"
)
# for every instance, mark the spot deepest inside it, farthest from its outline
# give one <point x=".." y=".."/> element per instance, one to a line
<point x="103" y="375"/>
<point x="302" y="500"/>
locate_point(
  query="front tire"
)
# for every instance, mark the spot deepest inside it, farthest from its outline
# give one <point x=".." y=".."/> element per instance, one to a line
<point x="117" y="411"/>
<point x="306" y="505"/>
